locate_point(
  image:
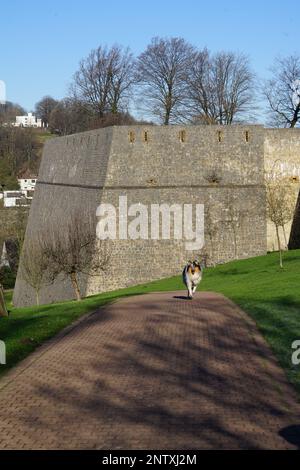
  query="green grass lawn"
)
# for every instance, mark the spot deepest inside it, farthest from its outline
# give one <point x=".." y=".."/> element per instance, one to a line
<point x="269" y="294"/>
<point x="43" y="136"/>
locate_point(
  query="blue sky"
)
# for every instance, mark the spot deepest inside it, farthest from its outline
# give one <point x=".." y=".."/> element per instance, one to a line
<point x="42" y="42"/>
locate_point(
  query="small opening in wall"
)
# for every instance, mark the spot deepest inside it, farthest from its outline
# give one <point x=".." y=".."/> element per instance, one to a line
<point x="146" y="137"/>
<point x="182" y="136"/>
<point x="295" y="179"/>
<point x="152" y="182"/>
<point x="247" y="136"/>
<point x="131" y="137"/>
<point x="220" y="136"/>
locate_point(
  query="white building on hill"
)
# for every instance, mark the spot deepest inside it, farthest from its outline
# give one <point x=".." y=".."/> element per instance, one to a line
<point x="24" y="195"/>
<point x="28" y="121"/>
<point x="27" y="181"/>
<point x="17" y="198"/>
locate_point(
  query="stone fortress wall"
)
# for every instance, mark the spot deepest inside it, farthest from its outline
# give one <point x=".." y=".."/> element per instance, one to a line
<point x="282" y="153"/>
<point x="220" y="167"/>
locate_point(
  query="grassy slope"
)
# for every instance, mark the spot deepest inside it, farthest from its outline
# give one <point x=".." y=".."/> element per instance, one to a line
<point x="43" y="136"/>
<point x="270" y="295"/>
<point x="272" y="298"/>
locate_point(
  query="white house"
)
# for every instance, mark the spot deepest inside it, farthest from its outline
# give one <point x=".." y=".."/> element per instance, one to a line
<point x="24" y="195"/>
<point x="28" y="121"/>
<point x="27" y="182"/>
<point x="17" y="198"/>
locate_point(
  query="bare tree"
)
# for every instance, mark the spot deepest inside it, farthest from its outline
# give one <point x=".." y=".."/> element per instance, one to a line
<point x="35" y="269"/>
<point x="75" y="250"/>
<point x="122" y="79"/>
<point x="221" y="88"/>
<point x="44" y="108"/>
<point x="104" y="79"/>
<point x="161" y="74"/>
<point x="283" y="92"/>
<point x="9" y="111"/>
<point x="69" y="116"/>
<point x="201" y="89"/>
<point x="19" y="150"/>
<point x="280" y="196"/>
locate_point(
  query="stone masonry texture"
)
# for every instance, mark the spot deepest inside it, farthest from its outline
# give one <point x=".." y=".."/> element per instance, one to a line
<point x="282" y="153"/>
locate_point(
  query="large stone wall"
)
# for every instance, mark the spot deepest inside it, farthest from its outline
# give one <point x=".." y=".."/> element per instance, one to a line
<point x="282" y="152"/>
<point x="72" y="173"/>
<point x="222" y="168"/>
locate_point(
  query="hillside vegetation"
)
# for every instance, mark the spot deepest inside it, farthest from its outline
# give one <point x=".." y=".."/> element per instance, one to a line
<point x="20" y="150"/>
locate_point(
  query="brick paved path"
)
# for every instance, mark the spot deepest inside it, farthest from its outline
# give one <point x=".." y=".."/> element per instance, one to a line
<point x="154" y="371"/>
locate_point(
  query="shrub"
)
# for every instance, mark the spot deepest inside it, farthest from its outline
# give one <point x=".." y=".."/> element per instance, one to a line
<point x="7" y="278"/>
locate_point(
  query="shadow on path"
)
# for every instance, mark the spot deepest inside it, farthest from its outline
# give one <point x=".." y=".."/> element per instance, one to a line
<point x="154" y="372"/>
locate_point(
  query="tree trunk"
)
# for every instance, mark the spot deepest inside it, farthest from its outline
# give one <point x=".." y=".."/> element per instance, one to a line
<point x="37" y="297"/>
<point x="212" y="251"/>
<point x="285" y="237"/>
<point x="295" y="117"/>
<point x="279" y="247"/>
<point x="167" y="118"/>
<point x="75" y="286"/>
<point x="235" y="244"/>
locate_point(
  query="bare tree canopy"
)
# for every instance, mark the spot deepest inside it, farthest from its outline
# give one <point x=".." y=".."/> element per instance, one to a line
<point x="220" y="88"/>
<point x="9" y="111"/>
<point x="283" y="92"/>
<point x="20" y="149"/>
<point x="35" y="269"/>
<point x="161" y="74"/>
<point x="202" y="106"/>
<point x="68" y="117"/>
<point x="104" y="79"/>
<point x="71" y="116"/>
<point x="44" y="108"/>
<point x="281" y="199"/>
<point x="171" y="81"/>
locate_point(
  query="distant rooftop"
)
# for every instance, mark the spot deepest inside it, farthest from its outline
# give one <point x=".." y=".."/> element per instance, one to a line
<point x="27" y="174"/>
